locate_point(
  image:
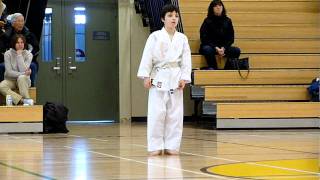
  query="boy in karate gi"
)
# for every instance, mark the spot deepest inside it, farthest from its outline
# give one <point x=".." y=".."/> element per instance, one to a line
<point x="165" y="68"/>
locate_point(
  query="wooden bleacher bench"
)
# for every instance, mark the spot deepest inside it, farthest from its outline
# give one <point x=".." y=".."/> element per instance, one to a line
<point x="268" y="115"/>
<point x="15" y="119"/>
<point x="268" y="110"/>
<point x="275" y="46"/>
<point x="256" y="93"/>
<point x="266" y="31"/>
<point x="262" y="26"/>
<point x="254" y="6"/>
<point x="262" y="90"/>
<point x="271" y="61"/>
<point x="257" y="77"/>
<point x="282" y="40"/>
<point x="251" y="18"/>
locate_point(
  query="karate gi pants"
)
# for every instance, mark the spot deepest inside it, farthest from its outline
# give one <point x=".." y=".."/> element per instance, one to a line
<point x="165" y="119"/>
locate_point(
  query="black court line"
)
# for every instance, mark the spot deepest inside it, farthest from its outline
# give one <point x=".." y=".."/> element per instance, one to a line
<point x="26" y="171"/>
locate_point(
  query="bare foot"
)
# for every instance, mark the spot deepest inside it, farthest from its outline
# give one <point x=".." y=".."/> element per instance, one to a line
<point x="171" y="152"/>
<point x="155" y="153"/>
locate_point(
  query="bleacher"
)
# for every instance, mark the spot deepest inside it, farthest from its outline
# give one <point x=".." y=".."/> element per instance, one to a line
<point x="282" y="40"/>
<point x="15" y="119"/>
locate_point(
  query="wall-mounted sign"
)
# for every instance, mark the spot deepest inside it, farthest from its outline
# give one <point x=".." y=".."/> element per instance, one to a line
<point x="101" y="35"/>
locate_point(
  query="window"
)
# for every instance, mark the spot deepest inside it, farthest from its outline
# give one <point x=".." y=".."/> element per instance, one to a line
<point x="80" y="34"/>
<point x="46" y="40"/>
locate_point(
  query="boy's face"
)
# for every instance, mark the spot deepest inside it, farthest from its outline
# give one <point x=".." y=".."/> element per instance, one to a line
<point x="171" y="19"/>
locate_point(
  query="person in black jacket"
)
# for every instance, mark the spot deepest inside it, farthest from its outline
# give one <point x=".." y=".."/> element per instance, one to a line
<point x="3" y="16"/>
<point x="217" y="35"/>
<point x="18" y="27"/>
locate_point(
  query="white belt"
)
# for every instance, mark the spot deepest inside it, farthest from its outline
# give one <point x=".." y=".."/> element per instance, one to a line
<point x="168" y="65"/>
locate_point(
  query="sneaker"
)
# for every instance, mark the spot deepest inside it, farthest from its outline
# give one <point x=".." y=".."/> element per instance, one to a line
<point x="28" y="102"/>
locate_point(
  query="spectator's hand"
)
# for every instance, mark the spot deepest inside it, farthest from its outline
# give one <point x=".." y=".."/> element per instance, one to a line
<point x="223" y="51"/>
<point x="220" y="51"/>
<point x="147" y="82"/>
<point x="28" y="72"/>
<point x="182" y="84"/>
<point x="2" y="23"/>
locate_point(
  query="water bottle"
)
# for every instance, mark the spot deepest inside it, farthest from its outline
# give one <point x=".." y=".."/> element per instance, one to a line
<point x="9" y="100"/>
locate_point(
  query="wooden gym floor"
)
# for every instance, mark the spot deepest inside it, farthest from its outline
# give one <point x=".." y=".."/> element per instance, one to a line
<point x="118" y="151"/>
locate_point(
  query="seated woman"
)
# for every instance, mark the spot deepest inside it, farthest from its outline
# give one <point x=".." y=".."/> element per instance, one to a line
<point x="17" y="62"/>
<point x="217" y="35"/>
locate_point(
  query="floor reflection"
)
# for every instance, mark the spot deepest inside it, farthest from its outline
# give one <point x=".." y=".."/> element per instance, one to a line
<point x="164" y="167"/>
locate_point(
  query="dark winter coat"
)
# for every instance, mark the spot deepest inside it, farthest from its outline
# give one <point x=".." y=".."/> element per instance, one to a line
<point x="217" y="31"/>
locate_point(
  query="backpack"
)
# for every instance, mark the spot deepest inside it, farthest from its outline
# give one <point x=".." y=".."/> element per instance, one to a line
<point x="313" y="90"/>
<point x="55" y="116"/>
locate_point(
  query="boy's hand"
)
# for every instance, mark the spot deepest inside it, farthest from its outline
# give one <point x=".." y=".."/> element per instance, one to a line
<point x="147" y="82"/>
<point x="182" y="84"/>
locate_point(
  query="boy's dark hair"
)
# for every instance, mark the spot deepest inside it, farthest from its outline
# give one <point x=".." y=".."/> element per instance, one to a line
<point x="213" y="4"/>
<point x="168" y="8"/>
<point x="14" y="40"/>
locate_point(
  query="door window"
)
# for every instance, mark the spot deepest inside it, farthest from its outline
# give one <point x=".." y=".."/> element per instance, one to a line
<point x="80" y="33"/>
<point x="46" y="42"/>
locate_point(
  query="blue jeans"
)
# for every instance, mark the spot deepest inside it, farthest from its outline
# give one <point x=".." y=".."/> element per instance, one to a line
<point x="33" y="76"/>
<point x="210" y="52"/>
<point x="2" y="70"/>
<point x="34" y="72"/>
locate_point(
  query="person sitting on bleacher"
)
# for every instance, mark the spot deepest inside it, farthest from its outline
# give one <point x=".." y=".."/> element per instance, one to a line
<point x="17" y="62"/>
<point x="2" y="30"/>
<point x="18" y="27"/>
<point x="2" y="15"/>
<point x="217" y="35"/>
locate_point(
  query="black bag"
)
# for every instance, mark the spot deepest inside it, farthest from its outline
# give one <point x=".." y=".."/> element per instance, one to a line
<point x="55" y="117"/>
<point x="313" y="90"/>
<point x="238" y="64"/>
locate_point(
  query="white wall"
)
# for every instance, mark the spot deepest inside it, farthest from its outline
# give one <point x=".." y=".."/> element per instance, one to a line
<point x="124" y="59"/>
<point x="132" y="37"/>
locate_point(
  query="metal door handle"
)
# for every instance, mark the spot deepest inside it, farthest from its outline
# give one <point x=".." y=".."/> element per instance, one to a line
<point x="70" y="66"/>
<point x="57" y="68"/>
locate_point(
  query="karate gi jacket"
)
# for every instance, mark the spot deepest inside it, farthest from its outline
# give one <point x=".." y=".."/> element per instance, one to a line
<point x="166" y="61"/>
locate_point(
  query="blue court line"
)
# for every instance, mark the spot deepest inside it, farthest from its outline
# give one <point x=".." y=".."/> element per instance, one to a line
<point x="26" y="171"/>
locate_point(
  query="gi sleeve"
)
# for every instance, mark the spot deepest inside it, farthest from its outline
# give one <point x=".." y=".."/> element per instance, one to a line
<point x="146" y="65"/>
<point x="186" y="61"/>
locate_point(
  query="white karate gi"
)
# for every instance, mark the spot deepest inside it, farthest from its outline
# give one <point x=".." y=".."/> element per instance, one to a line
<point x="166" y="62"/>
